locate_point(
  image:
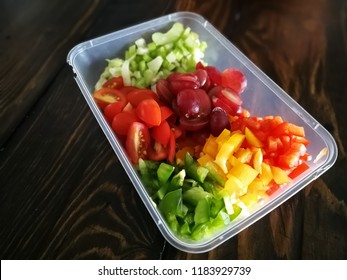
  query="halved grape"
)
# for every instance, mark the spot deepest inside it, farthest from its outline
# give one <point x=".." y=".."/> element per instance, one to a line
<point x="234" y="79"/>
<point x="230" y="97"/>
<point x="214" y="91"/>
<point x="193" y="124"/>
<point x="205" y="102"/>
<point x="188" y="103"/>
<point x="218" y="102"/>
<point x="202" y="76"/>
<point x="193" y="103"/>
<point x="162" y="88"/>
<point x="219" y="120"/>
<point x="176" y="86"/>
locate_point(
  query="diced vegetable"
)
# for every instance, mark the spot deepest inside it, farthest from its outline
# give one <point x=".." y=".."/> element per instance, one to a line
<point x="179" y="49"/>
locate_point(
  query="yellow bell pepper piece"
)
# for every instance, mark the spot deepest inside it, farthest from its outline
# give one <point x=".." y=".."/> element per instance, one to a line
<point x="244" y="155"/>
<point x="233" y="161"/>
<point x="250" y="198"/>
<point x="245" y="173"/>
<point x="210" y="147"/>
<point x="203" y="160"/>
<point x="279" y="175"/>
<point x="227" y="149"/>
<point x="252" y="139"/>
<point x="257" y="160"/>
<point x="256" y="186"/>
<point x="266" y="175"/>
<point x="234" y="186"/>
<point x="223" y="137"/>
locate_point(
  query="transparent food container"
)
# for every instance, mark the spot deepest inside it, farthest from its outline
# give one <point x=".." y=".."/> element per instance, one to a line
<point x="262" y="97"/>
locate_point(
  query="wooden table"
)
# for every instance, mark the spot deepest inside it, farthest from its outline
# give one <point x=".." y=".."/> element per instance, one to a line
<point x="63" y="192"/>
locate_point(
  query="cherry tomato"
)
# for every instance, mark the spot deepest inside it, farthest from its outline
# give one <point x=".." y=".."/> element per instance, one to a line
<point x="116" y="82"/>
<point x="148" y="110"/>
<point x="111" y="110"/>
<point x="137" y="95"/>
<point x="161" y="133"/>
<point x="137" y="142"/>
<point x="127" y="89"/>
<point x="157" y="152"/>
<point x="172" y="147"/>
<point x="122" y="121"/>
<point x="166" y="112"/>
<point x="105" y="96"/>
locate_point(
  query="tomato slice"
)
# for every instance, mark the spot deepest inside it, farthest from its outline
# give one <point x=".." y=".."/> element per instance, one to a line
<point x="157" y="152"/>
<point x="161" y="133"/>
<point x="111" y="110"/>
<point x="172" y="147"/>
<point x="137" y="95"/>
<point x="148" y="110"/>
<point x="128" y="89"/>
<point x="137" y="142"/>
<point x="116" y="82"/>
<point x="105" y="96"/>
<point x="122" y="121"/>
<point x="166" y="112"/>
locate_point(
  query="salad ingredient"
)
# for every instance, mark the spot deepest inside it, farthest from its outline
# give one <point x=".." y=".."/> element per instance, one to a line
<point x="105" y="96"/>
<point x="234" y="79"/>
<point x="148" y="111"/>
<point x="137" y="95"/>
<point x="283" y="144"/>
<point x="122" y="121"/>
<point x="219" y="121"/>
<point x="161" y="133"/>
<point x="189" y="202"/>
<point x="179" y="49"/>
<point x="193" y="103"/>
<point x="137" y="141"/>
<point x="116" y="82"/>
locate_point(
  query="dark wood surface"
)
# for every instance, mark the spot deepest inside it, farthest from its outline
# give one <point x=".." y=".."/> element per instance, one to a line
<point x="63" y="192"/>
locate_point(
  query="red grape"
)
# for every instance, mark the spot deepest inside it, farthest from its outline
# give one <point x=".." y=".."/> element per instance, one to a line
<point x="219" y="120"/>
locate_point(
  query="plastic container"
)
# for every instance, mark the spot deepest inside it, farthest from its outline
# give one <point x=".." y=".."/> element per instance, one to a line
<point x="262" y="97"/>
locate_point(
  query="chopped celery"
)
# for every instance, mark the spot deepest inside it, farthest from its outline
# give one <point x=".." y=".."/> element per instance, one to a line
<point x="179" y="49"/>
<point x="170" y="36"/>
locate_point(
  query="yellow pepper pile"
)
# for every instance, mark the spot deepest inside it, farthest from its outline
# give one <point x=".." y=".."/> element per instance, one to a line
<point x="247" y="177"/>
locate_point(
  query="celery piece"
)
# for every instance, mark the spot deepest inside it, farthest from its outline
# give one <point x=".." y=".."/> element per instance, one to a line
<point x="155" y="64"/>
<point x="172" y="35"/>
<point x="126" y="74"/>
<point x="152" y="46"/>
<point x="179" y="49"/>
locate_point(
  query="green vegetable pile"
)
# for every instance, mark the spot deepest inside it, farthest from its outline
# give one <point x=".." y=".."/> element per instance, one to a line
<point x="187" y="197"/>
<point x="177" y="50"/>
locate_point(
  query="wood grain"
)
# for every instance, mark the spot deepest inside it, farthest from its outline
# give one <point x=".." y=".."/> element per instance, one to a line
<point x="29" y="53"/>
<point x="81" y="203"/>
